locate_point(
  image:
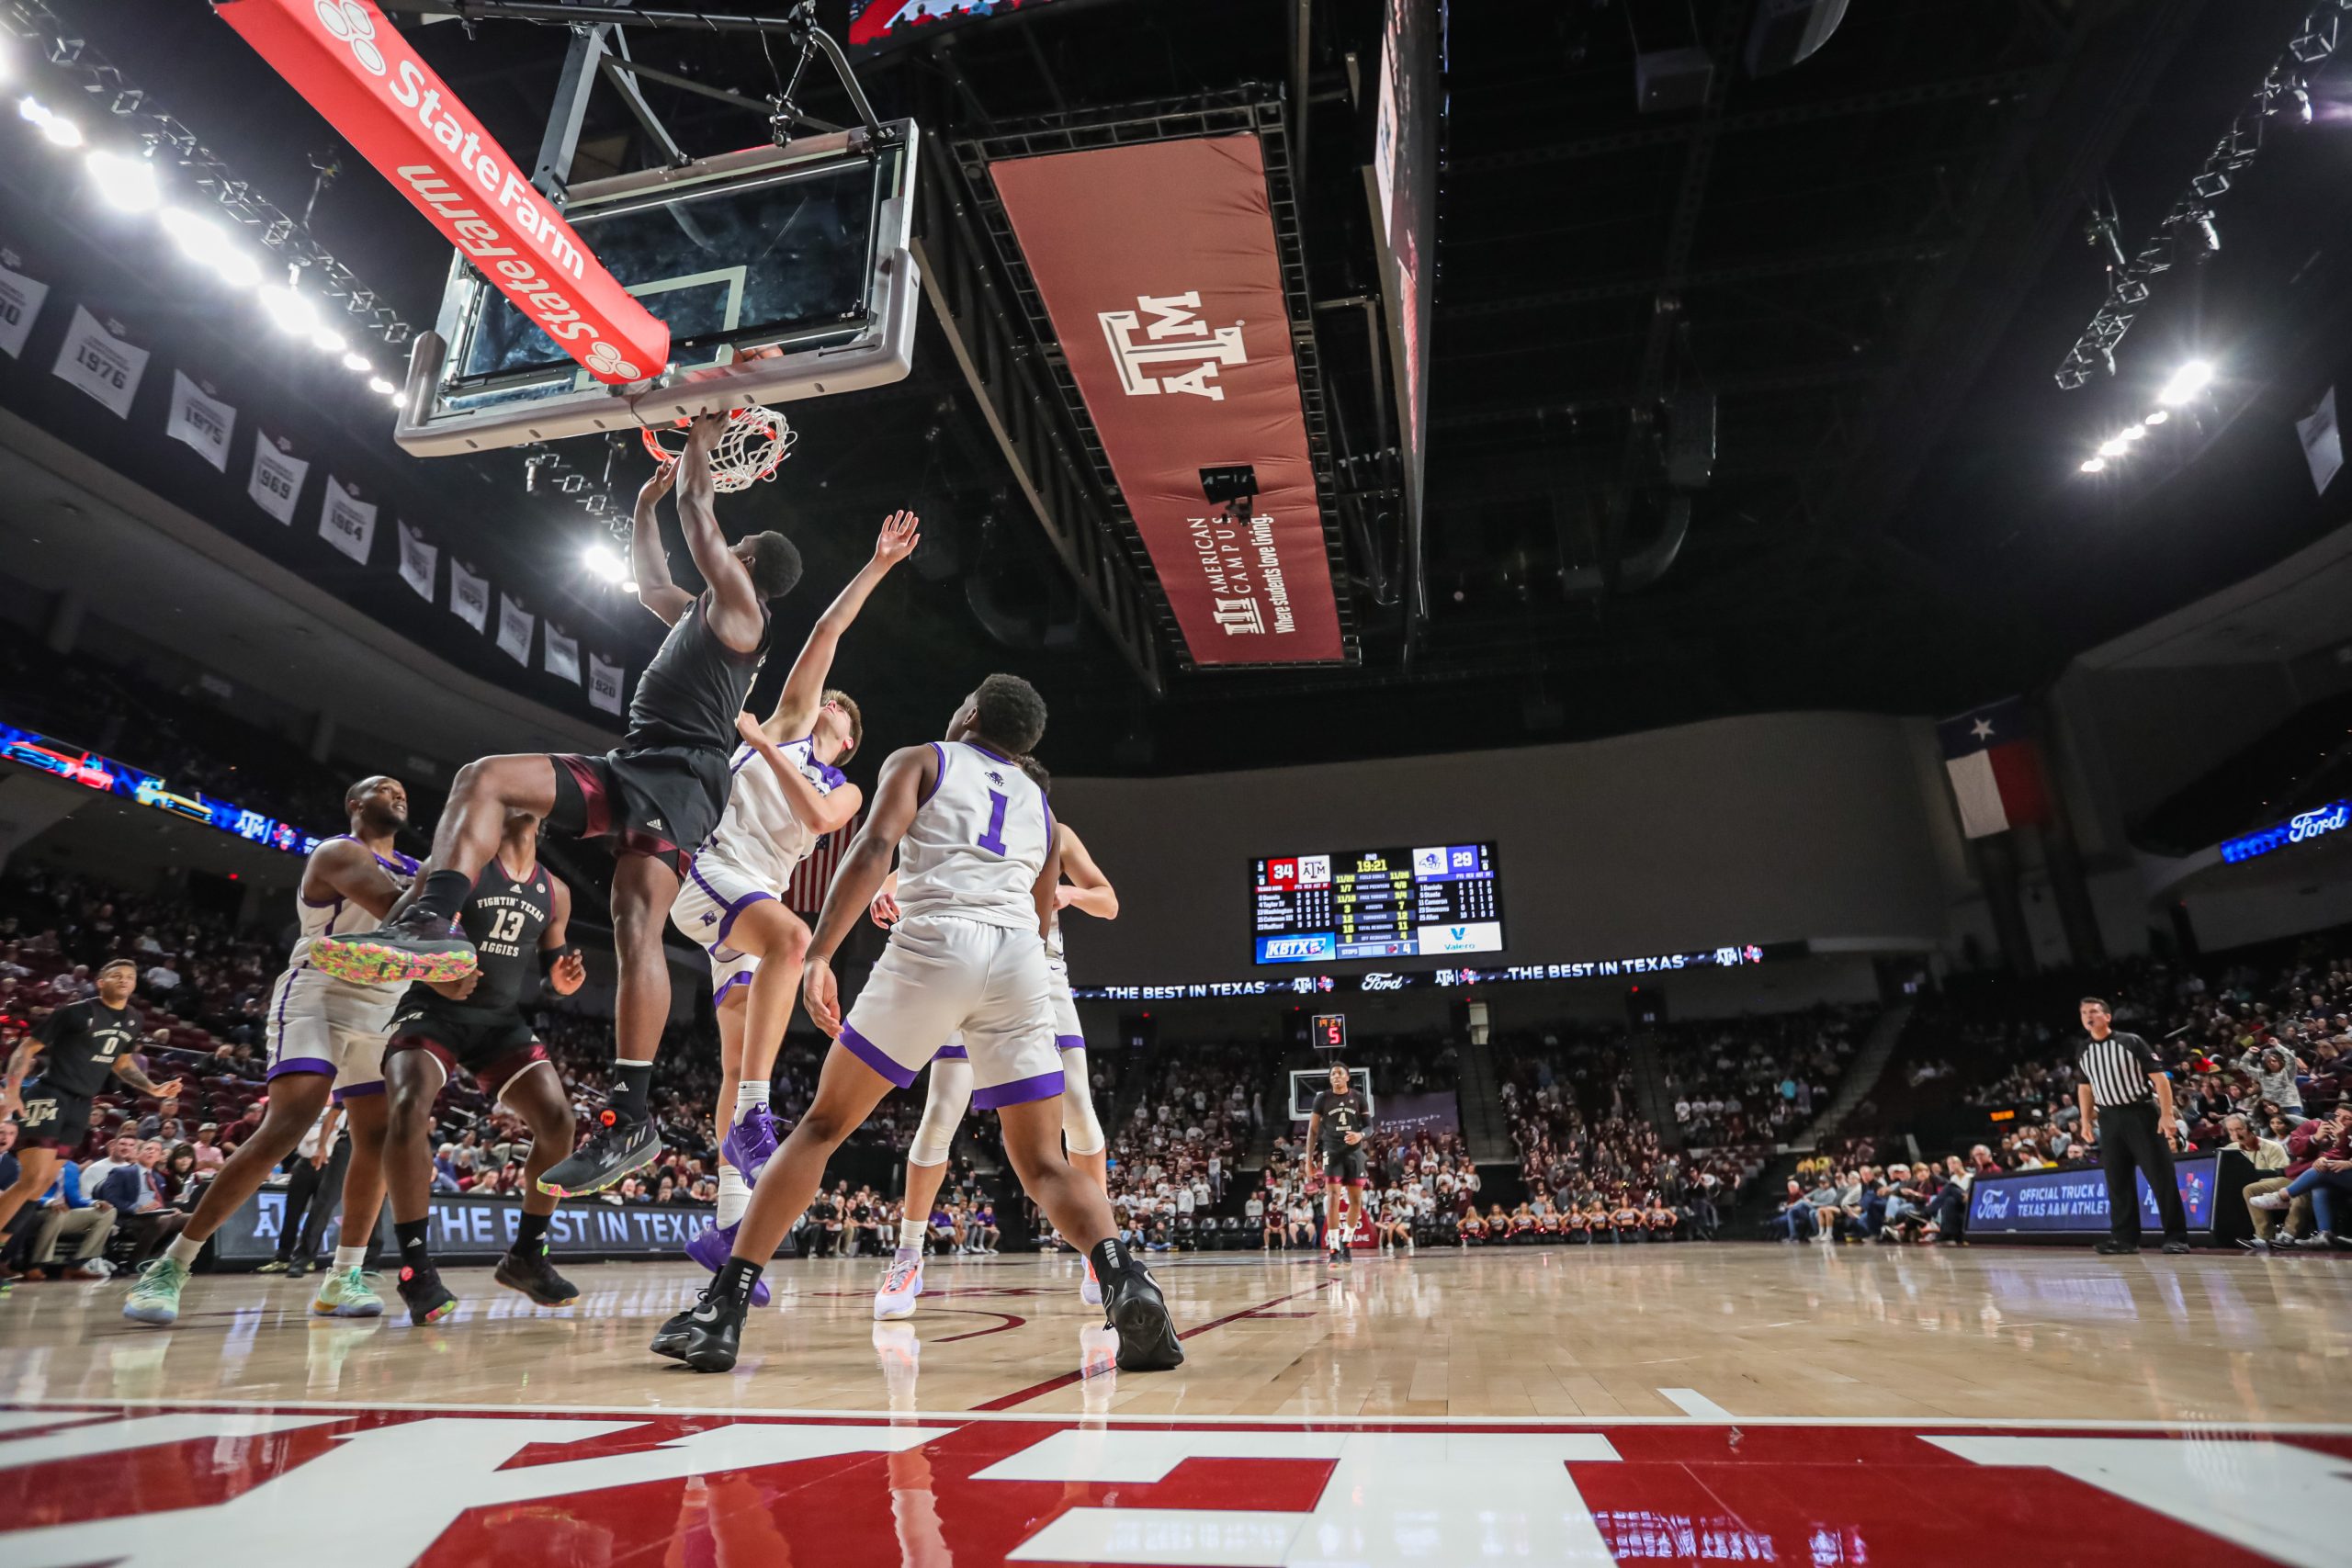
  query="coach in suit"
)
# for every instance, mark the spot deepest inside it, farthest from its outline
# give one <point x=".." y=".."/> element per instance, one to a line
<point x="2126" y="1103"/>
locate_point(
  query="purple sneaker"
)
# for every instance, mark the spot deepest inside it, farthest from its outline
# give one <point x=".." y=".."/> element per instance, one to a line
<point x="713" y="1248"/>
<point x="750" y="1143"/>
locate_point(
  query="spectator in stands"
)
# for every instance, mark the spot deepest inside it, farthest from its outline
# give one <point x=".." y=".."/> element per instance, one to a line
<point x="182" y="1182"/>
<point x="71" y="1216"/>
<point x="2274" y="1071"/>
<point x="2325" y="1181"/>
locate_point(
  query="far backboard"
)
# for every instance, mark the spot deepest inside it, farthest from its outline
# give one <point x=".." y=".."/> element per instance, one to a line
<point x="1306" y="1083"/>
<point x="783" y="273"/>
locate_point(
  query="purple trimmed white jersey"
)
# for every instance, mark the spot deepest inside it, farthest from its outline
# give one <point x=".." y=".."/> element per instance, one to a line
<point x="977" y="843"/>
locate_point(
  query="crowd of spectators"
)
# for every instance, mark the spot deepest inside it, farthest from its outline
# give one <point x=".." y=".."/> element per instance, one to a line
<point x="1757" y="1079"/>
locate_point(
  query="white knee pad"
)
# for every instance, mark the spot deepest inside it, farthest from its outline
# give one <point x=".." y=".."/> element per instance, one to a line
<point x="942" y="1111"/>
<point x="1081" y="1129"/>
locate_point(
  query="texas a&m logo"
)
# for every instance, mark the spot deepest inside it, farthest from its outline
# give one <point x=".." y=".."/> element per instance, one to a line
<point x="1176" y="353"/>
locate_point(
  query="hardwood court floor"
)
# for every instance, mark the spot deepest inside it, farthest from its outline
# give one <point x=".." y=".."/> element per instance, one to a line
<point x="1686" y="1404"/>
<point x="1751" y="1330"/>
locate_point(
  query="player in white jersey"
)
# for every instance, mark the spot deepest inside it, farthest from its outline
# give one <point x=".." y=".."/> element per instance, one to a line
<point x="978" y="867"/>
<point x="789" y="792"/>
<point x="1083" y="886"/>
<point x="326" y="1037"/>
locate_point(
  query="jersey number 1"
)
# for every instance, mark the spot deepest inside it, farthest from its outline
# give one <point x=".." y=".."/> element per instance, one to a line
<point x="992" y="841"/>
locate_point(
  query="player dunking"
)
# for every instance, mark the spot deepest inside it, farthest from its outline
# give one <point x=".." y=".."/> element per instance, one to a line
<point x="788" y="792"/>
<point x="1336" y="1130"/>
<point x="82" y="1045"/>
<point x="325" y="1035"/>
<point x="1083" y="886"/>
<point x="976" y="874"/>
<point x="656" y="799"/>
<point x="516" y="920"/>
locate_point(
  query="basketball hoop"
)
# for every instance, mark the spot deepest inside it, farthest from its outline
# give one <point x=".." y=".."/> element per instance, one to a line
<point x="756" y="441"/>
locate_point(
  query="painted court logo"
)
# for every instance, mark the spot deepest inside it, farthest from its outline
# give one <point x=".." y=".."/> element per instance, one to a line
<point x="348" y="20"/>
<point x="1147" y="365"/>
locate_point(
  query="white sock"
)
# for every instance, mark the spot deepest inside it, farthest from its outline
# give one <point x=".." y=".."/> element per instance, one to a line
<point x="910" y="1234"/>
<point x="734" y="1195"/>
<point x="748" y="1094"/>
<point x="184" y="1251"/>
<point x="350" y="1257"/>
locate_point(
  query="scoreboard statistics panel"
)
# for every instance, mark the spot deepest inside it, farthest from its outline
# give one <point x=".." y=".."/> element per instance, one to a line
<point x="1404" y="903"/>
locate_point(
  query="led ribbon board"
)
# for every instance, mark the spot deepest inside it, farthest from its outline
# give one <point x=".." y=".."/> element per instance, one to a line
<point x="107" y="776"/>
<point x="354" y="67"/>
<point x="2300" y="828"/>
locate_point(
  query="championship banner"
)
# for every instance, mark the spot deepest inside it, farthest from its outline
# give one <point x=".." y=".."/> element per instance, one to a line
<point x="468" y="595"/>
<point x="200" y="421"/>
<point x="418" y="561"/>
<point x="561" y="655"/>
<point x="346" y="521"/>
<point x="603" y="684"/>
<point x="100" y="364"/>
<point x="20" y="301"/>
<point x="354" y="68"/>
<point x="1160" y="271"/>
<point x="513" y="630"/>
<point x="278" y="477"/>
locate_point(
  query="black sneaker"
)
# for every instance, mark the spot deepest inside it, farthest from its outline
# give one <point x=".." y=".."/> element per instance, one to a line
<point x="2176" y="1248"/>
<point x="416" y="945"/>
<point x="533" y="1275"/>
<point x="428" y="1299"/>
<point x="1147" y="1334"/>
<point x="705" y="1335"/>
<point x="2111" y="1247"/>
<point x="297" y="1268"/>
<point x="614" y="1150"/>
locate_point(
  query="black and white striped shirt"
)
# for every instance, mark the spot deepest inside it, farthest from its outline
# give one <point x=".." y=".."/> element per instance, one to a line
<point x="2117" y="1068"/>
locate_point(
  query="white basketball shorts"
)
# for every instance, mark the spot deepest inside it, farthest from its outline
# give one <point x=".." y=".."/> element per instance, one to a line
<point x="319" y="1024"/>
<point x="942" y="977"/>
<point x="709" y="901"/>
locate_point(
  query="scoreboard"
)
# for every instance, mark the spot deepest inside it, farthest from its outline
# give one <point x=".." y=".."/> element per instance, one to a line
<point x="1402" y="903"/>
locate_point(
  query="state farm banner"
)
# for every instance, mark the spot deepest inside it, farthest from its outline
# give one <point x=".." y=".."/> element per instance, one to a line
<point x="1159" y="268"/>
<point x="356" y="69"/>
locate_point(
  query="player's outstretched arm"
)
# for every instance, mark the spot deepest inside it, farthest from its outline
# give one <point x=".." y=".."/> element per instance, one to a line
<point x="649" y="564"/>
<point x="567" y="971"/>
<point x="818" y="813"/>
<point x="906" y="775"/>
<point x="736" y="613"/>
<point x="1083" y="886"/>
<point x="345" y="868"/>
<point x="804" y="688"/>
<point x="128" y="1071"/>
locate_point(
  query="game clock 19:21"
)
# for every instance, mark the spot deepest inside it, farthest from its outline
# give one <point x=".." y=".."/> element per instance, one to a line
<point x="1403" y="903"/>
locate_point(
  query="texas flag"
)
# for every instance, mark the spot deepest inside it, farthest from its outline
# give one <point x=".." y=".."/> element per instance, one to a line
<point x="1996" y="769"/>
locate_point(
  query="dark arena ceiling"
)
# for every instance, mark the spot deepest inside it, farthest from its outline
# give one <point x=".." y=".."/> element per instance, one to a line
<point x="1863" y="269"/>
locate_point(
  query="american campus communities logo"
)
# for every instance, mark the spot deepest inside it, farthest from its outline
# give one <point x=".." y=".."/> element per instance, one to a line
<point x="507" y="197"/>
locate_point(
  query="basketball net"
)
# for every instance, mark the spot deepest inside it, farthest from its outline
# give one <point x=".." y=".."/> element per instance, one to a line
<point x="755" y="442"/>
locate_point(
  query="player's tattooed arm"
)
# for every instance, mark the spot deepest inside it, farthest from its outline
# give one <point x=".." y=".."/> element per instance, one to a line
<point x="1084" y="886"/>
<point x="649" y="565"/>
<point x="345" y="868"/>
<point x="817" y="813"/>
<point x="128" y="1071"/>
<point x="736" y="614"/>
<point x="568" y="971"/>
<point x="20" y="1062"/>
<point x="795" y="708"/>
<point x="907" y="775"/>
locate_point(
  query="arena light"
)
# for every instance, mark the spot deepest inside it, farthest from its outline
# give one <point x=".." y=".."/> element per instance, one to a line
<point x="2114" y="446"/>
<point x="2094" y="465"/>
<point x="326" y="339"/>
<point x="126" y="184"/>
<point x="2157" y="416"/>
<point x="378" y="386"/>
<point x="291" y="312"/>
<point x="2187" y="382"/>
<point x="208" y="244"/>
<point x="602" y="560"/>
<point x="59" y="131"/>
<point x="629" y="586"/>
<point x="2131" y="432"/>
<point x="357" y="364"/>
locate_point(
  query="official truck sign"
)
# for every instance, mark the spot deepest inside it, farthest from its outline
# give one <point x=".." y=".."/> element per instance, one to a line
<point x="354" y="68"/>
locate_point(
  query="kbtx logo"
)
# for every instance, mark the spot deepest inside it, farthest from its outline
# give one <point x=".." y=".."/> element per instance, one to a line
<point x="1175" y="337"/>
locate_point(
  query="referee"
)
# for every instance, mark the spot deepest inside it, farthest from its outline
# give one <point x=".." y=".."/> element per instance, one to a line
<point x="2126" y="1101"/>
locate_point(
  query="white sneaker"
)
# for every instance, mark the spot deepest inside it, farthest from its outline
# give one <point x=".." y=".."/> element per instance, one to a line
<point x="901" y="1285"/>
<point x="2278" y="1200"/>
<point x="1091" y="1290"/>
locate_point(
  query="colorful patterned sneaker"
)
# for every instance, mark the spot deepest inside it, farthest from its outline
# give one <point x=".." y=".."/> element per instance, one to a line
<point x="751" y="1143"/>
<point x="156" y="1297"/>
<point x="1090" y="1291"/>
<point x="415" y="946"/>
<point x="712" y="1246"/>
<point x="616" y="1149"/>
<point x="347" y="1294"/>
<point x="532" y="1274"/>
<point x="901" y="1284"/>
<point x="428" y="1299"/>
